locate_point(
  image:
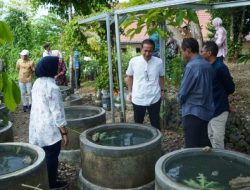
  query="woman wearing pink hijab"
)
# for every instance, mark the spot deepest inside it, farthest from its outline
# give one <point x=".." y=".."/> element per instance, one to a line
<point x="220" y="38"/>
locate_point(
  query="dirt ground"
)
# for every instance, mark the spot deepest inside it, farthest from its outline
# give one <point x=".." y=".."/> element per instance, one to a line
<point x="172" y="140"/>
<point x="241" y="98"/>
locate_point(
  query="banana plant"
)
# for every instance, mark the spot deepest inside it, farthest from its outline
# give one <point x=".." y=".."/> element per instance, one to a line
<point x="9" y="88"/>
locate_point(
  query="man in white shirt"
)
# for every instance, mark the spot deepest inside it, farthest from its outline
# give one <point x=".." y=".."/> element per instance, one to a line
<point x="146" y="84"/>
<point x="47" y="51"/>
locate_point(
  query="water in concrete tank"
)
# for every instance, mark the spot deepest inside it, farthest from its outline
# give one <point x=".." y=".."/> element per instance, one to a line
<point x="121" y="137"/>
<point x="204" y="169"/>
<point x="77" y="114"/>
<point x="11" y="162"/>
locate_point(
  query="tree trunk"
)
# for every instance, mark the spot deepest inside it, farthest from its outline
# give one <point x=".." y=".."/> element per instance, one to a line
<point x="196" y="33"/>
<point x="175" y="33"/>
<point x="237" y="53"/>
<point x="232" y="27"/>
<point x="195" y="30"/>
<point x="242" y="24"/>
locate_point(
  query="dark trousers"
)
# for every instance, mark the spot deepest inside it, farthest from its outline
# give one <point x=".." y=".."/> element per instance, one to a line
<point x="195" y="132"/>
<point x="51" y="156"/>
<point x="153" y="111"/>
<point x="77" y="77"/>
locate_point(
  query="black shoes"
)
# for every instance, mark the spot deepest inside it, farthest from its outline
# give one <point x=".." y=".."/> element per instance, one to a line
<point x="59" y="185"/>
<point x="25" y="108"/>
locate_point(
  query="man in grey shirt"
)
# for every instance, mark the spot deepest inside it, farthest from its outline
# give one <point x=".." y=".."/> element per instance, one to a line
<point x="196" y="95"/>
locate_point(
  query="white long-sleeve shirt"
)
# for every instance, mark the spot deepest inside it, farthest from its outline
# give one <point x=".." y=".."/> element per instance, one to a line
<point x="47" y="113"/>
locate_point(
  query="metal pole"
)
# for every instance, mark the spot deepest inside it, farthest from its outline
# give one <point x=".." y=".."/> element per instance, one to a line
<point x="111" y="86"/>
<point x="163" y="45"/>
<point x="163" y="55"/>
<point x="118" y="49"/>
<point x="76" y="85"/>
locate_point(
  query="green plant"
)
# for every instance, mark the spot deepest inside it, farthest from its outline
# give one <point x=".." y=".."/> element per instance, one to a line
<point x="102" y="80"/>
<point x="202" y="183"/>
<point x="7" y="86"/>
<point x="5" y="34"/>
<point x="244" y="58"/>
<point x="174" y="71"/>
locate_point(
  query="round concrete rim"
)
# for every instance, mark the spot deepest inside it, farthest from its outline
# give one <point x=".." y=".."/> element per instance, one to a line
<point x="40" y="158"/>
<point x="5" y="128"/>
<point x="113" y="150"/>
<point x="77" y="97"/>
<point x="68" y="103"/>
<point x="65" y="88"/>
<point x="81" y="180"/>
<point x="101" y="112"/>
<point x="160" y="164"/>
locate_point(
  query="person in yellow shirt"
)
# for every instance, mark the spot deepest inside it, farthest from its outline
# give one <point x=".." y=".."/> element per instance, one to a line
<point x="26" y="68"/>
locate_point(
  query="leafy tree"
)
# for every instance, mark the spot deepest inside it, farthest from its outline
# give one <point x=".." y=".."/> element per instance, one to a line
<point x="7" y="86"/>
<point x="88" y="40"/>
<point x="29" y="34"/>
<point x="81" y="7"/>
<point x="46" y="29"/>
<point x="20" y="26"/>
<point x="173" y="19"/>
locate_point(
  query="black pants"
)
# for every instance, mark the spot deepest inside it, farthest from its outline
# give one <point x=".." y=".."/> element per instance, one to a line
<point x="195" y="132"/>
<point x="153" y="111"/>
<point x="51" y="156"/>
<point x="77" y="77"/>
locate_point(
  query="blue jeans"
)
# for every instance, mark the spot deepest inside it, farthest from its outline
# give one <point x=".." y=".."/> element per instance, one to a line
<point x="51" y="156"/>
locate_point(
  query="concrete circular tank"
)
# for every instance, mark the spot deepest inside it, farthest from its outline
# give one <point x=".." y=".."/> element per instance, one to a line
<point x="66" y="91"/>
<point x="6" y="133"/>
<point x="79" y="118"/>
<point x="22" y="164"/>
<point x="124" y="158"/>
<point x="194" y="168"/>
<point x="73" y="100"/>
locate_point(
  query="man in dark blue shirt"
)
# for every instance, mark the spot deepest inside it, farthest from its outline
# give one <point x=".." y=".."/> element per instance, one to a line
<point x="195" y="95"/>
<point x="223" y="85"/>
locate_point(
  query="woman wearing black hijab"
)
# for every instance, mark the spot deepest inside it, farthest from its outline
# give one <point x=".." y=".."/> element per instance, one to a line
<point x="47" y="117"/>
